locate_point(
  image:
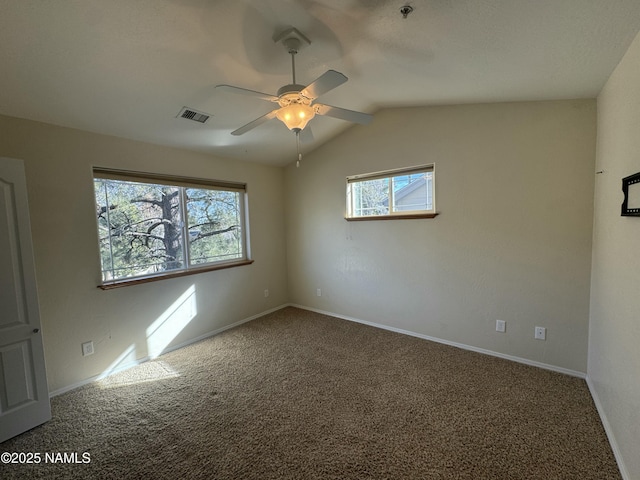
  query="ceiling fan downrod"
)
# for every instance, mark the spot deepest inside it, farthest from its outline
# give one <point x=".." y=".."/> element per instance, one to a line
<point x="293" y="45"/>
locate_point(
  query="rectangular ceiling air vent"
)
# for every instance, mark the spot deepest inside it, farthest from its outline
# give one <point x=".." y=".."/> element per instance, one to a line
<point x="191" y="114"/>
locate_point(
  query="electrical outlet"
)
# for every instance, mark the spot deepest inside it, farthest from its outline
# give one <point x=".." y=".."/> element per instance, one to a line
<point x="319" y="292"/>
<point x="540" y="333"/>
<point x="266" y="292"/>
<point x="87" y="349"/>
<point x="501" y="326"/>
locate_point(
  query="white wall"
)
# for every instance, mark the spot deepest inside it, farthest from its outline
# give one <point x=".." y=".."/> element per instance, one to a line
<point x="59" y="179"/>
<point x="514" y="188"/>
<point x="614" y="335"/>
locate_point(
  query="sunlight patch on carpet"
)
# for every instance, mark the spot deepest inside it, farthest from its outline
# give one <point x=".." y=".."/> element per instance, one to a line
<point x="146" y="372"/>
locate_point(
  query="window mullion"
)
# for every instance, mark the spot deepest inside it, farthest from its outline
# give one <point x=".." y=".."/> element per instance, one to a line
<point x="352" y="199"/>
<point x="241" y="215"/>
<point x="186" y="249"/>
<point x="106" y="202"/>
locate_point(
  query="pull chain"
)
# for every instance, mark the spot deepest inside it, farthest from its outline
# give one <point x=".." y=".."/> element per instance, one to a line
<point x="298" y="148"/>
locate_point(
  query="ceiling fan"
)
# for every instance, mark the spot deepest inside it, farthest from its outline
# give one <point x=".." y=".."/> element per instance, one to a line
<point x="296" y="102"/>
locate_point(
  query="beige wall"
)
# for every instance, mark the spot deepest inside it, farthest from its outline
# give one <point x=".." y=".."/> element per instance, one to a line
<point x="614" y="332"/>
<point x="514" y="189"/>
<point x="59" y="179"/>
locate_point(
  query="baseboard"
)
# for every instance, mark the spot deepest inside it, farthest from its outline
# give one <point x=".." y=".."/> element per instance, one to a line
<point x="526" y="361"/>
<point x="138" y="361"/>
<point x="609" y="431"/>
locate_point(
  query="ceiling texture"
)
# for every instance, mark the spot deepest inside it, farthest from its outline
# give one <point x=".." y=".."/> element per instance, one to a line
<point x="127" y="67"/>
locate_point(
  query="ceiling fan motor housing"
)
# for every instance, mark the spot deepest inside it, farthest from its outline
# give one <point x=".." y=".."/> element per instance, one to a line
<point x="291" y="88"/>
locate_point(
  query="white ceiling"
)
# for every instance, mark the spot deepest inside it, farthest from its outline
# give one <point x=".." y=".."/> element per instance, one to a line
<point x="127" y="67"/>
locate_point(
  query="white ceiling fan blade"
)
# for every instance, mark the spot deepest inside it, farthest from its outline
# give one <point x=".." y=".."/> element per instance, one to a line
<point x="343" y="114"/>
<point x="306" y="135"/>
<point x="244" y="91"/>
<point x="255" y="123"/>
<point x="325" y="82"/>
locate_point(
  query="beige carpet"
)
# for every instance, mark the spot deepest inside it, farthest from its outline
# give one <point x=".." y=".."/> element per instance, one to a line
<point x="298" y="395"/>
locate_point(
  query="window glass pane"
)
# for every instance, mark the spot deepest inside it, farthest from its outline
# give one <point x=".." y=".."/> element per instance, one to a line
<point x="370" y="197"/>
<point x="140" y="228"/>
<point x="413" y="192"/>
<point x="215" y="225"/>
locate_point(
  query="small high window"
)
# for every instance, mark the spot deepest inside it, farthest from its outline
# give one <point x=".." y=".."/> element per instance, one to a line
<point x="155" y="226"/>
<point x="403" y="193"/>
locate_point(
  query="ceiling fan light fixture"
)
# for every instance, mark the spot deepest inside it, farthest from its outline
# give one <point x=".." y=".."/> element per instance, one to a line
<point x="295" y="115"/>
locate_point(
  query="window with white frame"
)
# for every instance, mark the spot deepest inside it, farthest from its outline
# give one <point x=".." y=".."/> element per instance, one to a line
<point x="152" y="226"/>
<point x="402" y="193"/>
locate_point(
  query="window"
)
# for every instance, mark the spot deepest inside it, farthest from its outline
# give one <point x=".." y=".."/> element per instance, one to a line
<point x="405" y="193"/>
<point x="155" y="226"/>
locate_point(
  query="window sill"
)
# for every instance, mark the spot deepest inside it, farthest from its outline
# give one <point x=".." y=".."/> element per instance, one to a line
<point x="391" y="217"/>
<point x="164" y="276"/>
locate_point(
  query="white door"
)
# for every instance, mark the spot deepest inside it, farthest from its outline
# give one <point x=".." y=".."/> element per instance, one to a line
<point x="24" y="398"/>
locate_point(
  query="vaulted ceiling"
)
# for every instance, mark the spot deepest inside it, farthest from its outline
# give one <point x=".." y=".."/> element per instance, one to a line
<point x="127" y="67"/>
